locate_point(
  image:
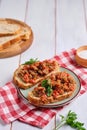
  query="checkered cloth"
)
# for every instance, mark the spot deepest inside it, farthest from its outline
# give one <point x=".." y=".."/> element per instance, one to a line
<point x="12" y="107"/>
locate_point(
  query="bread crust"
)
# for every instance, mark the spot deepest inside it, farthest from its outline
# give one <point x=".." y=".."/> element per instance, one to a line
<point x="38" y="102"/>
<point x="18" y="82"/>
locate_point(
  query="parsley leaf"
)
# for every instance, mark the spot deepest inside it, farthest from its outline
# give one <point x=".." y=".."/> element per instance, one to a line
<point x="31" y="61"/>
<point x="71" y="120"/>
<point x="47" y="85"/>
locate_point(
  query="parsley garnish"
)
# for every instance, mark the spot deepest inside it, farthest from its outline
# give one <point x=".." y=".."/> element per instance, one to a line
<point x="31" y="61"/>
<point x="71" y="120"/>
<point x="47" y="85"/>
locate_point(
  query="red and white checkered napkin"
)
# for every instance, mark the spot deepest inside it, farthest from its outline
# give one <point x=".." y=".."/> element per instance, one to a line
<point x="13" y="107"/>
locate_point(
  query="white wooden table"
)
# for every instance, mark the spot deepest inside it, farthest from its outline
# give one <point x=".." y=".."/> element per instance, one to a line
<point x="58" y="25"/>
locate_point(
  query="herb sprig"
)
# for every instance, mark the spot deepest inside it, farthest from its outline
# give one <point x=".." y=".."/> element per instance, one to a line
<point x="71" y="120"/>
<point x="31" y="61"/>
<point x="47" y="85"/>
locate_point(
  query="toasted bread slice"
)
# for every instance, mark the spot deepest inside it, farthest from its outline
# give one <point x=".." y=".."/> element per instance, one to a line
<point x="57" y="87"/>
<point x="7" y="29"/>
<point x="7" y="41"/>
<point x="28" y="75"/>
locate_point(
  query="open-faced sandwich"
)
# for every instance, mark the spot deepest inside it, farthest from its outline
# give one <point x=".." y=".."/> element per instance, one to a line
<point x="30" y="73"/>
<point x="56" y="87"/>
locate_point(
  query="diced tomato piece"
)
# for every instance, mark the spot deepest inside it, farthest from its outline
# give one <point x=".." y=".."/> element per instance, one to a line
<point x="26" y="78"/>
<point x="55" y="94"/>
<point x="44" y="98"/>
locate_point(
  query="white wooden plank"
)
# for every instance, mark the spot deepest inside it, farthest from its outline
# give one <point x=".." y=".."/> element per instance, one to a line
<point x="13" y="9"/>
<point x="4" y="126"/>
<point x="85" y="12"/>
<point x="40" y="17"/>
<point x="9" y="66"/>
<point x="71" y="28"/>
<point x="10" y="9"/>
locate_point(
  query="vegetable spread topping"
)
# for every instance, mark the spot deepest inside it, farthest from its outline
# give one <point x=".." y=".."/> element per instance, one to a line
<point x="31" y="72"/>
<point x="54" y="86"/>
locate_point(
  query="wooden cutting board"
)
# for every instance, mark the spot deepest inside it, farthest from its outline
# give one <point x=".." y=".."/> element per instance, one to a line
<point x="21" y="46"/>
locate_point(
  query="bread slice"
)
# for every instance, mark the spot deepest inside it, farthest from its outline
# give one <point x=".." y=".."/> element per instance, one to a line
<point x="17" y="47"/>
<point x="55" y="88"/>
<point x="7" y="41"/>
<point x="7" y="29"/>
<point x="34" y="72"/>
